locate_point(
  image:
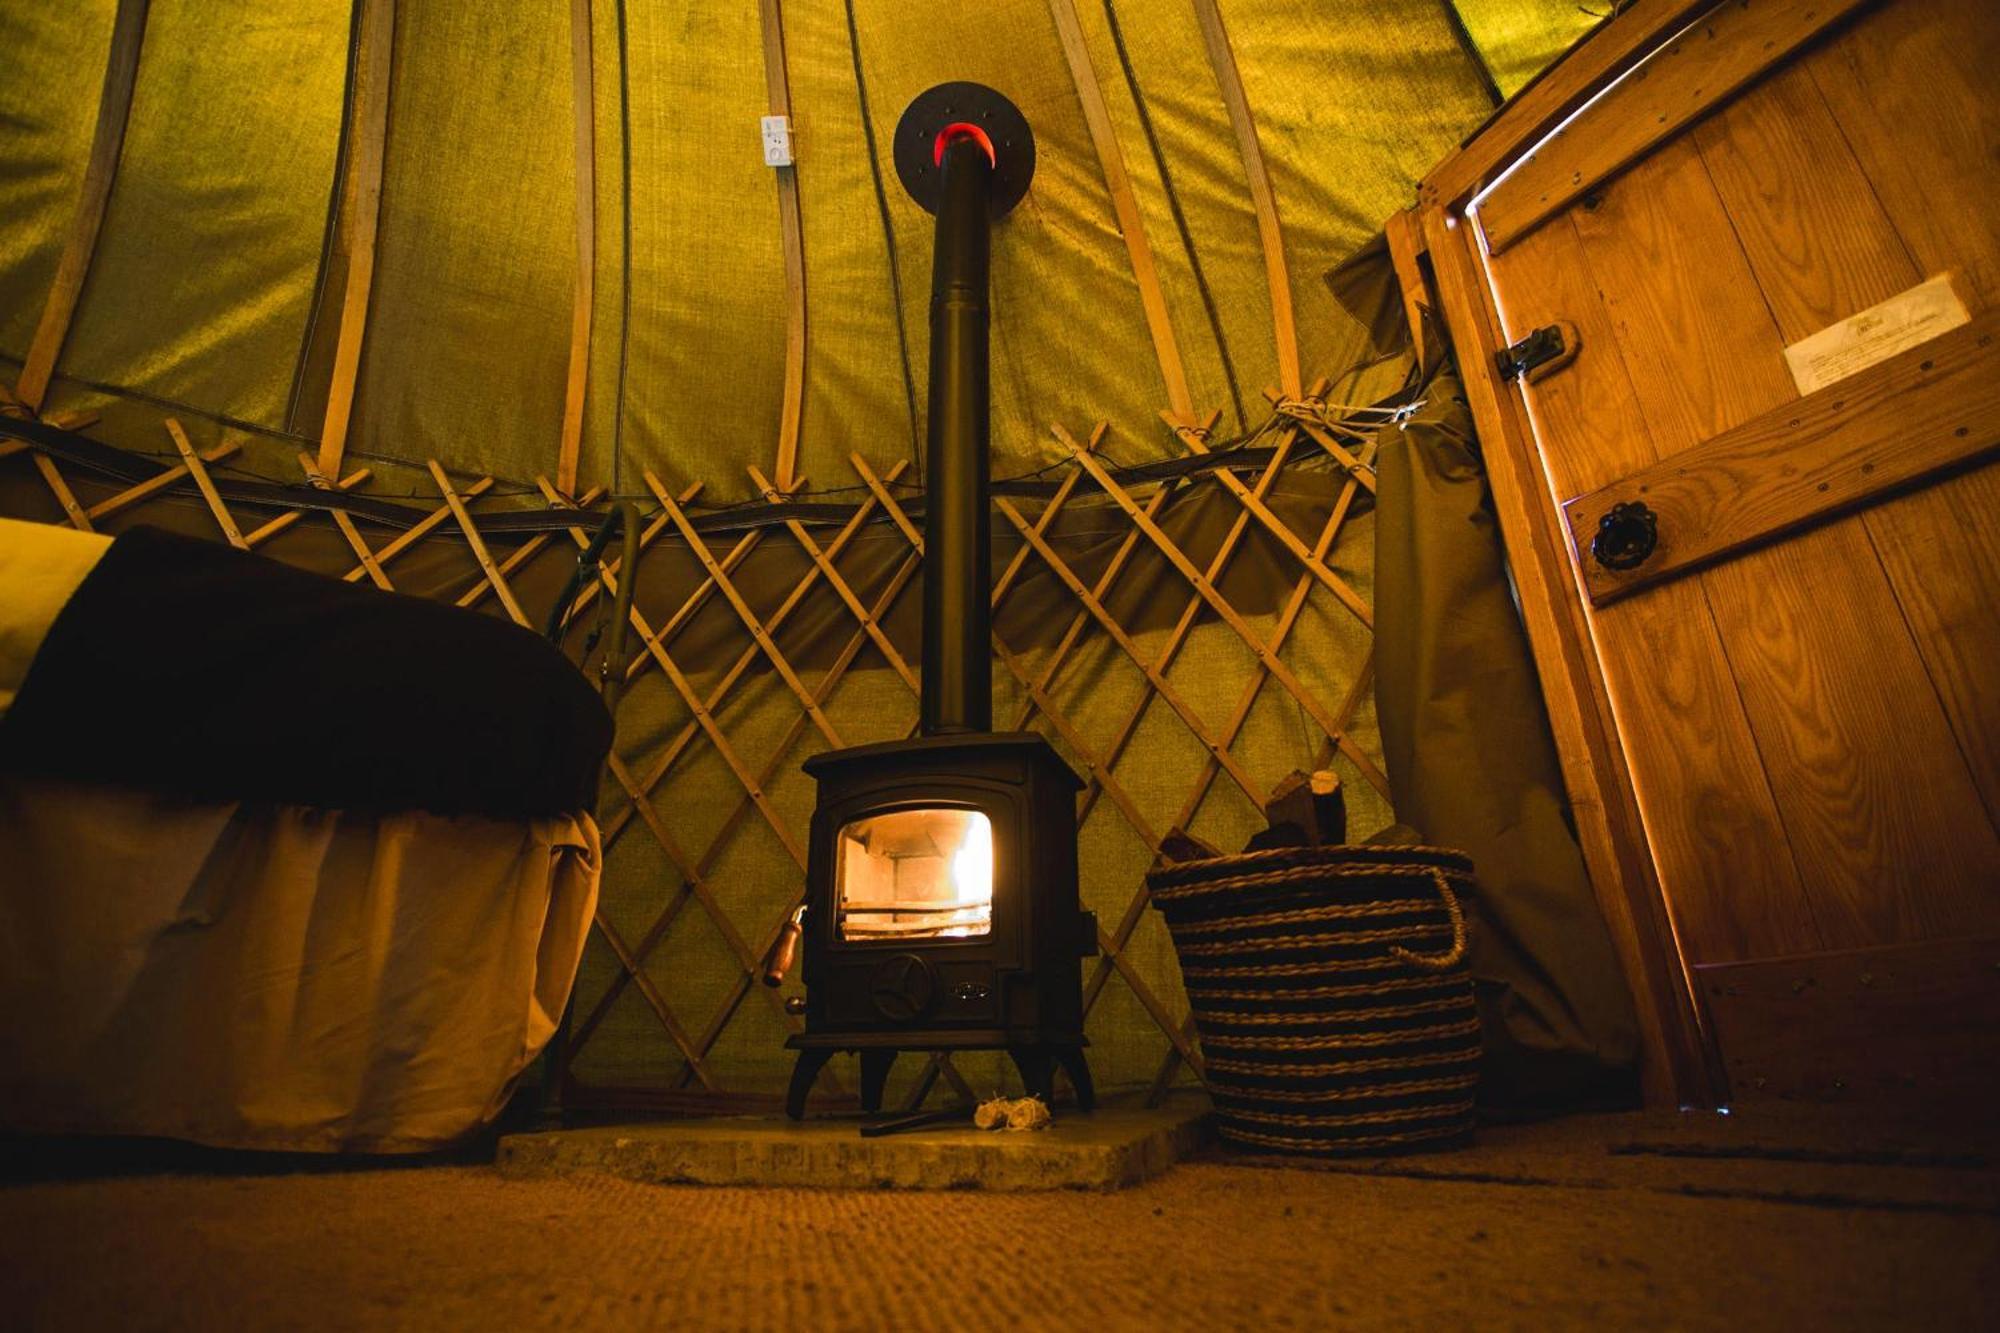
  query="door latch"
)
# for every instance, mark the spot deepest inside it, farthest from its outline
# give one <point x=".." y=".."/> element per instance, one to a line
<point x="1626" y="536"/>
<point x="1544" y="351"/>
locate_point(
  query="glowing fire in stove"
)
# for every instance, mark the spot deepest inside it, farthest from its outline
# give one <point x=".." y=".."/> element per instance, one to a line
<point x="972" y="866"/>
<point x="916" y="874"/>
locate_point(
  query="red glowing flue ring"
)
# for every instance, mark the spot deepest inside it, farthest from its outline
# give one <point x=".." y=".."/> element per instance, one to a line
<point x="952" y="112"/>
<point x="962" y="130"/>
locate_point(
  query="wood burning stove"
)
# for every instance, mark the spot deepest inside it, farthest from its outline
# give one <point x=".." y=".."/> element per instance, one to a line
<point x="942" y="909"/>
<point x="941" y="885"/>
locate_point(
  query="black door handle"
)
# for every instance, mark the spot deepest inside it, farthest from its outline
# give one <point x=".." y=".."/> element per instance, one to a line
<point x="1626" y="536"/>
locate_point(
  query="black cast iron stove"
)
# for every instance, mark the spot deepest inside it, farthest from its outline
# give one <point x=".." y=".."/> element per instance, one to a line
<point x="941" y="887"/>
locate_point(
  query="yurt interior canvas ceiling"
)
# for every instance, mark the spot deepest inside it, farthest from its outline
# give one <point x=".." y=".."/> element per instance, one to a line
<point x="215" y="285"/>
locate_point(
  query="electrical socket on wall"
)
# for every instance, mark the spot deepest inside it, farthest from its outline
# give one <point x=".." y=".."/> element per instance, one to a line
<point x="777" y="141"/>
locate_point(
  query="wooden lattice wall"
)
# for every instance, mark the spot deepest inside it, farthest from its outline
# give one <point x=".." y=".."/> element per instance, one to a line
<point x="720" y="873"/>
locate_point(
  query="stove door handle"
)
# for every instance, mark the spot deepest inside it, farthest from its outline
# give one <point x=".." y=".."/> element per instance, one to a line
<point x="778" y="960"/>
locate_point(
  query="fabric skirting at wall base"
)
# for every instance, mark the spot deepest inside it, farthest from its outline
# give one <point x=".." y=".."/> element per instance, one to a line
<point x="277" y="977"/>
<point x="1473" y="765"/>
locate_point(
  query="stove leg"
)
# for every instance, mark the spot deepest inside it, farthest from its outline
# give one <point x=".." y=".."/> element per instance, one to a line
<point x="804" y="1074"/>
<point x="874" y="1077"/>
<point x="1038" y="1071"/>
<point x="1072" y="1062"/>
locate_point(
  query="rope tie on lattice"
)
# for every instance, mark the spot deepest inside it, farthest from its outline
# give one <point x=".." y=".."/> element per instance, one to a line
<point x="1349" y="421"/>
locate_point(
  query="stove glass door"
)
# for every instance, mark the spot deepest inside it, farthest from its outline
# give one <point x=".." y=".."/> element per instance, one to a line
<point x="915" y="875"/>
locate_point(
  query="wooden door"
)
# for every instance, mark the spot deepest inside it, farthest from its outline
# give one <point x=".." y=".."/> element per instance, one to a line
<point x="1793" y="615"/>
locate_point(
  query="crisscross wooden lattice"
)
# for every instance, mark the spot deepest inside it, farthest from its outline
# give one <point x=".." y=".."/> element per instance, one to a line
<point x="642" y="793"/>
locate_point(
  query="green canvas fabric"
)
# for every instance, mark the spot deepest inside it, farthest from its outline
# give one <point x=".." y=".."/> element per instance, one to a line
<point x="51" y="68"/>
<point x="706" y="331"/>
<point x="466" y="353"/>
<point x="1473" y="766"/>
<point x="207" y="277"/>
<point x="204" y="271"/>
<point x="1519" y="38"/>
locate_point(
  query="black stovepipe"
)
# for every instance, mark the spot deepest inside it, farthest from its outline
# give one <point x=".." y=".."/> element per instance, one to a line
<point x="958" y="564"/>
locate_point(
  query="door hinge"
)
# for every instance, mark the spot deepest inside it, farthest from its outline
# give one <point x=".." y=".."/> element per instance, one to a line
<point x="1545" y="350"/>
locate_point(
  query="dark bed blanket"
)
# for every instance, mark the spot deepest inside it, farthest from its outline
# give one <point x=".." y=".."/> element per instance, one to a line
<point x="197" y="670"/>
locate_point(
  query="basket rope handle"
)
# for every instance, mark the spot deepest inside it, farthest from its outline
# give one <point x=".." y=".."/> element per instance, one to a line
<point x="1450" y="958"/>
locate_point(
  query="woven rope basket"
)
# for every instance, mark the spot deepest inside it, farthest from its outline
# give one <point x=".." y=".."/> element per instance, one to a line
<point x="1330" y="989"/>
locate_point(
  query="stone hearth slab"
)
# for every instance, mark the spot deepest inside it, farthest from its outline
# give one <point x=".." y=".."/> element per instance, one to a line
<point x="1108" y="1149"/>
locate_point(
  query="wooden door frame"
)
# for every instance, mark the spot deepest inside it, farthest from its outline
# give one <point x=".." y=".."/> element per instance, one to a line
<point x="1677" y="1060"/>
<point x="1558" y="118"/>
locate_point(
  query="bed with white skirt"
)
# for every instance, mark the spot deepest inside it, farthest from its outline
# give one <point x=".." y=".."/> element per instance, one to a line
<point x="284" y="863"/>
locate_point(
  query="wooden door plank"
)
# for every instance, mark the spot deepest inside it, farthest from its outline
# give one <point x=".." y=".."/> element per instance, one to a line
<point x="1941" y="551"/>
<point x="1912" y="88"/>
<point x="1710" y="816"/>
<point x="1928" y="150"/>
<point x="1807" y="216"/>
<point x="1914" y="1021"/>
<point x="1704" y="64"/>
<point x="1875" y="792"/>
<point x="1924" y="411"/>
<point x="1823" y="248"/>
<point x="1891" y="840"/>
<point x="1660" y="274"/>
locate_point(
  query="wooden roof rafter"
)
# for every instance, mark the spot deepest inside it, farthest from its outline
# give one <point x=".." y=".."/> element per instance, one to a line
<point x="1270" y="235"/>
<point x="1125" y="204"/>
<point x="778" y="90"/>
<point x="576" y="384"/>
<point x="107" y="144"/>
<point x="358" y="212"/>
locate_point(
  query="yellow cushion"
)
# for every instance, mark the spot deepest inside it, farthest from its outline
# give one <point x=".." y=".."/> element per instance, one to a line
<point x="40" y="566"/>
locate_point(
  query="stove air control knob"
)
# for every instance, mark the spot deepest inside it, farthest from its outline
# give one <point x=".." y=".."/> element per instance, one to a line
<point x="903" y="988"/>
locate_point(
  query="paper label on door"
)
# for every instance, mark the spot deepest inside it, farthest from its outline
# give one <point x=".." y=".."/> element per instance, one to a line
<point x="1875" y="334"/>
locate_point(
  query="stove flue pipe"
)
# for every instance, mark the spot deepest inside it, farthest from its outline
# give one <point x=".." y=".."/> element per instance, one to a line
<point x="965" y="154"/>
<point x="958" y="565"/>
